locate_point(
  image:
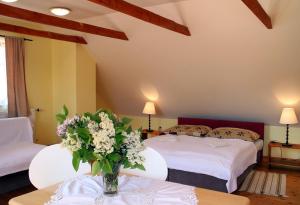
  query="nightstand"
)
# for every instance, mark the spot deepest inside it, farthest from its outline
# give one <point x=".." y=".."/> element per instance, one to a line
<point x="282" y="161"/>
<point x="146" y="134"/>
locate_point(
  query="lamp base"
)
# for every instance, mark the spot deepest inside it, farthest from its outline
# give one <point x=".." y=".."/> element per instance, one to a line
<point x="286" y="145"/>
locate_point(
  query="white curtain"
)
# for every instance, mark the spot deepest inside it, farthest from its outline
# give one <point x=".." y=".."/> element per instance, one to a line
<point x="3" y="80"/>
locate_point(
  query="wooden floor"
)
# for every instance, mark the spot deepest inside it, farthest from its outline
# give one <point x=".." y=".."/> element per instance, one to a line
<point x="293" y="191"/>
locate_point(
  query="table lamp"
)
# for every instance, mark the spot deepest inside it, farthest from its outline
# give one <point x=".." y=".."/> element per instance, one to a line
<point x="288" y="117"/>
<point x="149" y="109"/>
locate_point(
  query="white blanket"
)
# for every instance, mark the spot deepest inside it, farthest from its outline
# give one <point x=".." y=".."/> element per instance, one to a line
<point x="87" y="190"/>
<point x="17" y="157"/>
<point x="14" y="130"/>
<point x="222" y="158"/>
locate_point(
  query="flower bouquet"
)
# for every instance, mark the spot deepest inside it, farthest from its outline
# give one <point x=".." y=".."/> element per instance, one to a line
<point x="103" y="140"/>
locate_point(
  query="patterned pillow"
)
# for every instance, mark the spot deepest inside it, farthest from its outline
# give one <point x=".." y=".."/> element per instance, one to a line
<point x="191" y="130"/>
<point x="234" y="133"/>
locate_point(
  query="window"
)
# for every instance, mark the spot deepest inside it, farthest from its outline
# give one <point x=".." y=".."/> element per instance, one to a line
<point x="3" y="80"/>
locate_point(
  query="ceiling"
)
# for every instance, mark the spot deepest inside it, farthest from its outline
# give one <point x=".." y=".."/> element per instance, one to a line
<point x="80" y="8"/>
<point x="232" y="67"/>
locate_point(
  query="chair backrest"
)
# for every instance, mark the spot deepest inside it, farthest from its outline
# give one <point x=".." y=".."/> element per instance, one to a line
<point x="155" y="166"/>
<point x="52" y="165"/>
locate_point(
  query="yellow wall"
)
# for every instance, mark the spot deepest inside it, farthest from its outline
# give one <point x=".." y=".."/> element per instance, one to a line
<point x="64" y="76"/>
<point x="275" y="133"/>
<point x="57" y="73"/>
<point x="74" y="78"/>
<point x="39" y="87"/>
<point x="85" y="81"/>
<point x="140" y="121"/>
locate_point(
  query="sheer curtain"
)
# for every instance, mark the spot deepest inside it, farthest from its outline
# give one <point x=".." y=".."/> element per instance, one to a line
<point x="15" y="69"/>
<point x="3" y="80"/>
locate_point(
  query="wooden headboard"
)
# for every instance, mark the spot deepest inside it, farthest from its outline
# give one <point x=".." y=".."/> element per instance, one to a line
<point x="257" y="127"/>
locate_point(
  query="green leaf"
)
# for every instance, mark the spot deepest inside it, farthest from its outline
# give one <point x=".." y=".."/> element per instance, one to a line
<point x="96" y="167"/>
<point x="60" y="118"/>
<point x="97" y="156"/>
<point x="106" y="167"/>
<point x="119" y="139"/>
<point x="126" y="164"/>
<point x="84" y="134"/>
<point x="65" y="110"/>
<point x="129" y="130"/>
<point x="93" y="117"/>
<point x="126" y="120"/>
<point x="139" y="166"/>
<point x="114" y="157"/>
<point x="119" y="130"/>
<point x="87" y="155"/>
<point x="76" y="160"/>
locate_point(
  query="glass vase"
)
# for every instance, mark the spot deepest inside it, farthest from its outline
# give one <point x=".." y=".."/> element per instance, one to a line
<point x="110" y="181"/>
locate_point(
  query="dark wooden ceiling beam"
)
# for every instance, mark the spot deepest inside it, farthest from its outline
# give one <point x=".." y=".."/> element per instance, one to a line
<point x="143" y="14"/>
<point x="258" y="11"/>
<point x="24" y="14"/>
<point x="45" y="34"/>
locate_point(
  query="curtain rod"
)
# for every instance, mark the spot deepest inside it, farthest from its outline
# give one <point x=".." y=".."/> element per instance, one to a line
<point x="25" y="39"/>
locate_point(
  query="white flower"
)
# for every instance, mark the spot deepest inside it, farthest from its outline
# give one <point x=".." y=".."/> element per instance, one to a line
<point x="103" y="134"/>
<point x="107" y="124"/>
<point x="133" y="140"/>
<point x="93" y="127"/>
<point x="102" y="142"/>
<point x="71" y="142"/>
<point x="134" y="157"/>
<point x="134" y="147"/>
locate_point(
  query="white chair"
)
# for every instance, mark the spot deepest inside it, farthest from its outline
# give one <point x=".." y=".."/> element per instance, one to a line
<point x="155" y="166"/>
<point x="52" y="165"/>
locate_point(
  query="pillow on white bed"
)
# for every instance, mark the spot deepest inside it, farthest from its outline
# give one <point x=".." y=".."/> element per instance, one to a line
<point x="233" y="133"/>
<point x="191" y="130"/>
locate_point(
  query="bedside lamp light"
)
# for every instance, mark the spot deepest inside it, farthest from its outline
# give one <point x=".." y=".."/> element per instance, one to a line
<point x="288" y="117"/>
<point x="149" y="109"/>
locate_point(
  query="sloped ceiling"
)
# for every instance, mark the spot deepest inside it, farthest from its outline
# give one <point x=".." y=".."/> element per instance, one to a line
<point x="232" y="67"/>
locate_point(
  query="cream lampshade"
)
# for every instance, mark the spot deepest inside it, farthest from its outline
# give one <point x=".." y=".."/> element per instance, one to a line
<point x="288" y="117"/>
<point x="149" y="109"/>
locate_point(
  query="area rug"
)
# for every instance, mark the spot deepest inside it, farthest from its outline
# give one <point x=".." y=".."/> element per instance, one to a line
<point x="268" y="183"/>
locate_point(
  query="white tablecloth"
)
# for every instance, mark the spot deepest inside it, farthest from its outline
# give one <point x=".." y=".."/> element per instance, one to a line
<point x="87" y="190"/>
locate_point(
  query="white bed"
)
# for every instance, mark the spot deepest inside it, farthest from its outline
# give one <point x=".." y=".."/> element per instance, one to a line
<point x="221" y="158"/>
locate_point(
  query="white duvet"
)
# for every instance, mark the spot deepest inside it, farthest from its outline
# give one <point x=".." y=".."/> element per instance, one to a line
<point x="222" y="158"/>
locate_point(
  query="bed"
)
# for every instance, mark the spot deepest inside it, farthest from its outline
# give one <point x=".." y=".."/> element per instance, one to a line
<point x="17" y="149"/>
<point x="220" y="168"/>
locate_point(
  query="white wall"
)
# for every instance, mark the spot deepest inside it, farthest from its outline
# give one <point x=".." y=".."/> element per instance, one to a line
<point x="232" y="67"/>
